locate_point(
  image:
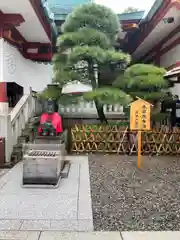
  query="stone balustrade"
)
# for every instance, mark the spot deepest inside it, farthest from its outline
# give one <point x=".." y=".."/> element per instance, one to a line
<point x="12" y="124"/>
<point x="89" y="108"/>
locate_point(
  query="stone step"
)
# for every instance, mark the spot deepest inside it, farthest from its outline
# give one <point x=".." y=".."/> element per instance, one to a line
<point x="26" y="136"/>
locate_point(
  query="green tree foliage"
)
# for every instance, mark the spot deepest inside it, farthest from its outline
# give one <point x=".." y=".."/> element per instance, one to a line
<point x="108" y="96"/>
<point x="145" y="81"/>
<point x="93" y="16"/>
<point x="86" y="48"/>
<point x="51" y="91"/>
<point x="130" y="10"/>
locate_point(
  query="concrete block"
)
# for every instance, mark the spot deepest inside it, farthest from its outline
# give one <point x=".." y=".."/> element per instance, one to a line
<point x="42" y="171"/>
<point x="42" y="163"/>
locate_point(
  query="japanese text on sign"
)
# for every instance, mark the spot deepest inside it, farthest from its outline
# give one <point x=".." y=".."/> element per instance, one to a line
<point x="140" y="115"/>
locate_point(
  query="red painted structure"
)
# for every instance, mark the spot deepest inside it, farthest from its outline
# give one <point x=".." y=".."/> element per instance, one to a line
<point x="3" y="92"/>
<point x="8" y="22"/>
<point x="146" y="29"/>
<point x="157" y="50"/>
<point x="54" y="119"/>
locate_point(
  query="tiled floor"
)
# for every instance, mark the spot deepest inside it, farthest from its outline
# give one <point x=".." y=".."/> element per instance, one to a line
<point x="67" y="208"/>
<point x="54" y="235"/>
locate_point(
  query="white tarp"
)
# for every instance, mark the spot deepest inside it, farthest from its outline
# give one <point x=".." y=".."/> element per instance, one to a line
<point x="76" y="87"/>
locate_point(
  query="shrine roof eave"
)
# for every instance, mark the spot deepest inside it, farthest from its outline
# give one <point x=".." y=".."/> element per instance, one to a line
<point x="146" y="39"/>
<point x="51" y="21"/>
<point x="60" y="14"/>
<point x="36" y="25"/>
<point x="46" y="17"/>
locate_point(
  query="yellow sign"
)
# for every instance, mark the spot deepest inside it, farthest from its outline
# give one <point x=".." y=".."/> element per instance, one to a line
<point x="140" y="121"/>
<point x="140" y="115"/>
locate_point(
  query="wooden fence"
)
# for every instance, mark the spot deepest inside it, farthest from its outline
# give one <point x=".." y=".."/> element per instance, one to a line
<point x="117" y="139"/>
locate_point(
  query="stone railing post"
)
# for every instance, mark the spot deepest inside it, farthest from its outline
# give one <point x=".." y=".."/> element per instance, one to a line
<point x="6" y="133"/>
<point x="8" y="144"/>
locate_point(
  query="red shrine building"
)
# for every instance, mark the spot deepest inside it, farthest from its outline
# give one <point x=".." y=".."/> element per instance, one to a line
<point x="27" y="36"/>
<point x="28" y="32"/>
<point x="157" y="39"/>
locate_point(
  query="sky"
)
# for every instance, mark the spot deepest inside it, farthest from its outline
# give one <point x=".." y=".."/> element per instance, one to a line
<point x="119" y="5"/>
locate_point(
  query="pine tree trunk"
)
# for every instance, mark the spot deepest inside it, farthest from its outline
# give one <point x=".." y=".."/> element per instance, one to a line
<point x="99" y="107"/>
<point x="100" y="112"/>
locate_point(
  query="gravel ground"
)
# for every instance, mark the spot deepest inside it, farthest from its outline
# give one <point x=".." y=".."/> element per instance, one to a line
<point x="125" y="198"/>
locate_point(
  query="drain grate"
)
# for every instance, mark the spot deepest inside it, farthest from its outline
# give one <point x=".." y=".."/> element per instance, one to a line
<point x="36" y="153"/>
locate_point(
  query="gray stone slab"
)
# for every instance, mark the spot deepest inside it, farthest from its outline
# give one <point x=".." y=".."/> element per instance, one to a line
<point x="84" y="209"/>
<point x="38" y="207"/>
<point x="10" y="224"/>
<point x="85" y="225"/>
<point x="19" y="235"/>
<point x="3" y="172"/>
<point x="80" y="236"/>
<point x="67" y="186"/>
<point x="53" y="225"/>
<point x="46" y="209"/>
<point x="84" y="203"/>
<point x="74" y="170"/>
<point x="37" y="225"/>
<point x="3" y="182"/>
<point x="64" y="225"/>
<point x="167" y="235"/>
<point x="76" y="159"/>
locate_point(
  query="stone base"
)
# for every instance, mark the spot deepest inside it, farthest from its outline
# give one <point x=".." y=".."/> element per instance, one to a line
<point x="41" y="180"/>
<point x="42" y="171"/>
<point x="41" y="186"/>
<point x="65" y="170"/>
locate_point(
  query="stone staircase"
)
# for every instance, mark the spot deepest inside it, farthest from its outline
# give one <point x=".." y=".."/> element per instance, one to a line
<point x="27" y="135"/>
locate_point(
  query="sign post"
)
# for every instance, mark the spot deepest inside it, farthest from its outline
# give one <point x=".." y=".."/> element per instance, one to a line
<point x="140" y="121"/>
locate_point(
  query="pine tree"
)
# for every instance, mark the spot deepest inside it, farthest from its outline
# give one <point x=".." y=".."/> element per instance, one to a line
<point x="145" y="81"/>
<point x="85" y="48"/>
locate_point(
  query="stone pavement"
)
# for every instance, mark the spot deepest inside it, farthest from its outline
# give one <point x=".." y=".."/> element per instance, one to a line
<point x="66" y="208"/>
<point x="54" y="214"/>
<point x="49" y="235"/>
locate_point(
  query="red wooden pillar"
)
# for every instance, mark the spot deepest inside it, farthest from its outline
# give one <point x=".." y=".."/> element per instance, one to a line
<point x="3" y="85"/>
<point x="4" y="106"/>
<point x="3" y="92"/>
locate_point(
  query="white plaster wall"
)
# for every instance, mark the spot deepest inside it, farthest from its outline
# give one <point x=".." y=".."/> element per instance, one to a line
<point x="171" y="57"/>
<point x="167" y="43"/>
<point x="175" y="90"/>
<point x="23" y="71"/>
